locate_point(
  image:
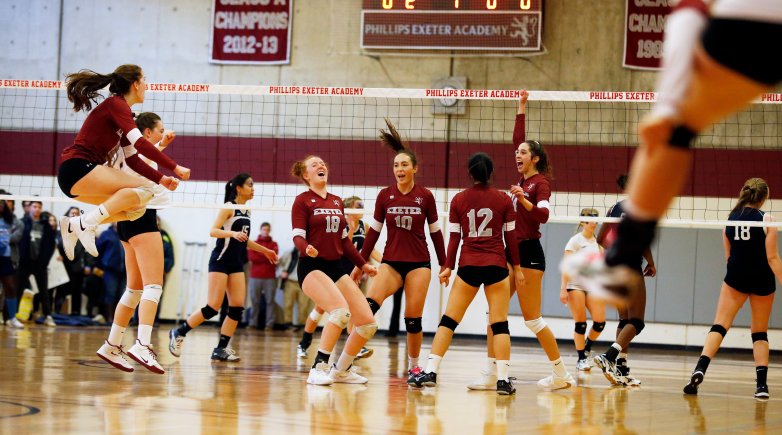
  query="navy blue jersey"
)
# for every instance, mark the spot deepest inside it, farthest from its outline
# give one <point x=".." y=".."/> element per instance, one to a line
<point x="747" y="264"/>
<point x="230" y="249"/>
<point x="358" y="242"/>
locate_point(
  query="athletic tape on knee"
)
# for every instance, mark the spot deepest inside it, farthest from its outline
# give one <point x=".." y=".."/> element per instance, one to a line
<point x="366" y="331"/>
<point x="340" y="317"/>
<point x="598" y="326"/>
<point x="760" y="336"/>
<point x="235" y="313"/>
<point x="535" y="325"/>
<point x="208" y="312"/>
<point x="144" y="194"/>
<point x="719" y="329"/>
<point x="448" y="322"/>
<point x="152" y="292"/>
<point x="133" y="215"/>
<point x="413" y="325"/>
<point x="638" y="324"/>
<point x="682" y="137"/>
<point x="622" y="323"/>
<point x="131" y="298"/>
<point x="315" y="316"/>
<point x="581" y="328"/>
<point x="373" y="305"/>
<point x="498" y="328"/>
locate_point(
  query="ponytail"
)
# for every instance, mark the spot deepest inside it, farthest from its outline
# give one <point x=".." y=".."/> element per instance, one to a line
<point x="754" y="191"/>
<point x="83" y="87"/>
<point x="230" y="187"/>
<point x="393" y="140"/>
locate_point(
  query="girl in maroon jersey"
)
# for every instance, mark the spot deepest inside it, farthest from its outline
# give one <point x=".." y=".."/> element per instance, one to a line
<point x="81" y="175"/>
<point x="482" y="217"/>
<point x="321" y="236"/>
<point x="405" y="207"/>
<point x="531" y="200"/>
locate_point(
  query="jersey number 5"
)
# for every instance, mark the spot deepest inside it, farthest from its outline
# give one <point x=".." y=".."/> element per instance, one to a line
<point x="741" y="233"/>
<point x="332" y="224"/>
<point x="482" y="231"/>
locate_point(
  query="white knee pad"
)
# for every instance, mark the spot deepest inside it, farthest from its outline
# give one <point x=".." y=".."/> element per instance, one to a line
<point x="315" y="316"/>
<point x="152" y="293"/>
<point x="135" y="214"/>
<point x="340" y="317"/>
<point x="536" y="325"/>
<point x="130" y="298"/>
<point x="144" y="193"/>
<point x="366" y="331"/>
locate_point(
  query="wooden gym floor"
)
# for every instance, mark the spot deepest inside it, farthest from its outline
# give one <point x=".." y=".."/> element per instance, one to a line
<point x="52" y="382"/>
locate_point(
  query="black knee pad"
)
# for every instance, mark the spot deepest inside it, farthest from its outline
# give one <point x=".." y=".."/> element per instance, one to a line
<point x="235" y="313"/>
<point x="581" y="328"/>
<point x="682" y="137"/>
<point x="374" y="306"/>
<point x="498" y="328"/>
<point x="760" y="336"/>
<point x="622" y="323"/>
<point x="413" y="325"/>
<point x="719" y="329"/>
<point x="208" y="312"/>
<point x="598" y="326"/>
<point x="448" y="323"/>
<point x="638" y="324"/>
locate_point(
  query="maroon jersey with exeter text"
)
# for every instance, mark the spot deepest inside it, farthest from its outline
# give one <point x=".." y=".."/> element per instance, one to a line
<point x="321" y="222"/>
<point x="483" y="216"/>
<point x="406" y="217"/>
<point x="537" y="190"/>
<point x="105" y="127"/>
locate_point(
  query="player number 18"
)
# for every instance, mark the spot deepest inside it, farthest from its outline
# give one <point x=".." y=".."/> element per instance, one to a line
<point x="741" y="233"/>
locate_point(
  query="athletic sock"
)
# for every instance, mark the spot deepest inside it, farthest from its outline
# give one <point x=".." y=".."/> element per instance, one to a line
<point x="412" y="362"/>
<point x="703" y="364"/>
<point x="95" y="216"/>
<point x="116" y="334"/>
<point x="184" y="328"/>
<point x="762" y="373"/>
<point x="491" y="366"/>
<point x="321" y="357"/>
<point x="581" y="354"/>
<point x="621" y="359"/>
<point x="433" y="363"/>
<point x="223" y="343"/>
<point x="306" y="340"/>
<point x="503" y="366"/>
<point x="588" y="345"/>
<point x="345" y="361"/>
<point x="559" y="367"/>
<point x="633" y="237"/>
<point x="144" y="334"/>
<point x="613" y="352"/>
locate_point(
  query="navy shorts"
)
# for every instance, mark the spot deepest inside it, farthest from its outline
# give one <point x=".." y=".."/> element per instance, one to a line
<point x="225" y="265"/>
<point x="750" y="282"/>
<point x="145" y="224"/>
<point x="486" y="275"/>
<point x="332" y="268"/>
<point x="405" y="267"/>
<point x="741" y="46"/>
<point x="71" y="171"/>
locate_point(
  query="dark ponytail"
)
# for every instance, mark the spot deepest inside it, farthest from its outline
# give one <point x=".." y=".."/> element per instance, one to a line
<point x="481" y="167"/>
<point x="230" y="187"/>
<point x="754" y="191"/>
<point x="543" y="166"/>
<point x="83" y="87"/>
<point x="393" y="140"/>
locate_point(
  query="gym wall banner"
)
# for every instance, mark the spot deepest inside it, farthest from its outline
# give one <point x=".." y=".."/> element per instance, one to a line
<point x="254" y="32"/>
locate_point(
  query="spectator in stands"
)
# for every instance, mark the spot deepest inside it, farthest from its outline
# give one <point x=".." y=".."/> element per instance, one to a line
<point x="11" y="231"/>
<point x="112" y="262"/>
<point x="263" y="281"/>
<point x="75" y="271"/>
<point x="35" y="251"/>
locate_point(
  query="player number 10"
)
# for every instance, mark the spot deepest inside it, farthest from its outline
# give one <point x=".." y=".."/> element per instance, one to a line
<point x="405" y="222"/>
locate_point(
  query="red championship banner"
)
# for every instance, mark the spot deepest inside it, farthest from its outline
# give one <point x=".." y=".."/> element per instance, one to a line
<point x="644" y="32"/>
<point x="251" y="31"/>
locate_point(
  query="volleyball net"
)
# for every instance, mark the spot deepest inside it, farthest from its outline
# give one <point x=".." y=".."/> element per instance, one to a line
<point x="222" y="130"/>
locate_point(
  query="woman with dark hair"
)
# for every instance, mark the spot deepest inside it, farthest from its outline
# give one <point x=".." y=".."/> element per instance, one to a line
<point x="405" y="207"/>
<point x="226" y="270"/>
<point x="75" y="269"/>
<point x="11" y="230"/>
<point x="753" y="262"/>
<point x="320" y="234"/>
<point x="482" y="217"/>
<point x="82" y="174"/>
<point x="143" y="247"/>
<point x="531" y="201"/>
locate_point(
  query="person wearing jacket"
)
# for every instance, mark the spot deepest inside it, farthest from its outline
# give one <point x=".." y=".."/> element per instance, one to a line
<point x="35" y="250"/>
<point x="263" y="280"/>
<point x="11" y="230"/>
